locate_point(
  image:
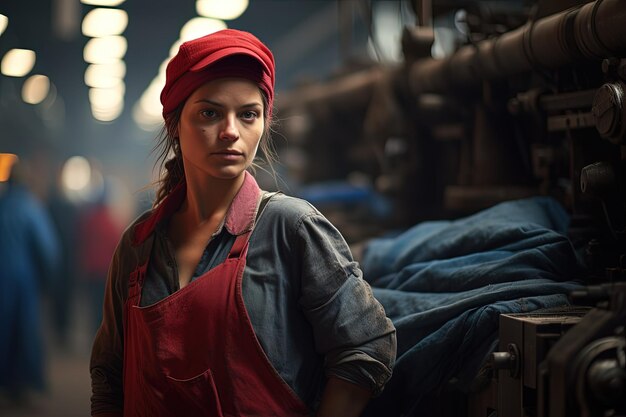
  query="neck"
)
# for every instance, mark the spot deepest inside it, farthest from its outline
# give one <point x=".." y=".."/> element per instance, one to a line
<point x="209" y="198"/>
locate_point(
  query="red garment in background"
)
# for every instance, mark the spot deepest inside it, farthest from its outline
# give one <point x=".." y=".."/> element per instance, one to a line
<point x="98" y="235"/>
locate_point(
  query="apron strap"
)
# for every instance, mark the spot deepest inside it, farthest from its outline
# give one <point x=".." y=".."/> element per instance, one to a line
<point x="239" y="245"/>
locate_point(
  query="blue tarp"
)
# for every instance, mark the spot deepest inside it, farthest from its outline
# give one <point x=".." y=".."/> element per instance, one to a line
<point x="445" y="283"/>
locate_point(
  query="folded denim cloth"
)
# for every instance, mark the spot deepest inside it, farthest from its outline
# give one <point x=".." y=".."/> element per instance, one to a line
<point x="445" y="283"/>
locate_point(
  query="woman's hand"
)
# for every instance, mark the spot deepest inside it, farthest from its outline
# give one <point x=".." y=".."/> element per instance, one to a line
<point x="343" y="399"/>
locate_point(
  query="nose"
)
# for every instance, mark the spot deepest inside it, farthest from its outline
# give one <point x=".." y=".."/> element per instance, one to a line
<point x="229" y="131"/>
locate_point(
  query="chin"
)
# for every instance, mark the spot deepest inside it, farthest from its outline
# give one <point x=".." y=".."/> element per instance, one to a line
<point x="227" y="174"/>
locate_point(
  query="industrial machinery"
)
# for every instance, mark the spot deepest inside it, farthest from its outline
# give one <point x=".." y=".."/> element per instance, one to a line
<point x="559" y="81"/>
<point x="531" y="102"/>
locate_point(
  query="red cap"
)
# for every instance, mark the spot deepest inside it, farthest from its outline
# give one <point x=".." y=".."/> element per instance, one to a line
<point x="225" y="53"/>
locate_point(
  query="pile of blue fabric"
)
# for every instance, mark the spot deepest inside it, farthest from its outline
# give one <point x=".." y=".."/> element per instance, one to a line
<point x="445" y="283"/>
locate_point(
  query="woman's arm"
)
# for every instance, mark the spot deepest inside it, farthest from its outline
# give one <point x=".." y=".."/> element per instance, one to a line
<point x="343" y="399"/>
<point x="349" y="325"/>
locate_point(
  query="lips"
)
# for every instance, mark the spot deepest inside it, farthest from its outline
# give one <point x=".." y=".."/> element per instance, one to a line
<point x="227" y="152"/>
<point x="229" y="156"/>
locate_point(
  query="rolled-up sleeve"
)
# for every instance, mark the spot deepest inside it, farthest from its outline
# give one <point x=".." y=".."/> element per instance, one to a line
<point x="107" y="351"/>
<point x="350" y="326"/>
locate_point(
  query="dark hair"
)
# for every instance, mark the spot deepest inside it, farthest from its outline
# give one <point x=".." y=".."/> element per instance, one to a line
<point x="169" y="157"/>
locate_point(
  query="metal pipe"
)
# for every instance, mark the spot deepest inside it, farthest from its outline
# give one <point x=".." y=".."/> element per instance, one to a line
<point x="591" y="31"/>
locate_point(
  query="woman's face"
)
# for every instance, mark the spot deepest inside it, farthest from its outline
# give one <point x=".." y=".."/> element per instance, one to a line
<point x="220" y="127"/>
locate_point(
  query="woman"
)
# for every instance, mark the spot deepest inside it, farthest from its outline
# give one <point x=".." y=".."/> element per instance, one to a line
<point x="224" y="300"/>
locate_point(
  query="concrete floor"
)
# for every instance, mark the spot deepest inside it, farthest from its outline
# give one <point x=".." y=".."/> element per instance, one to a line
<point x="67" y="394"/>
<point x="67" y="370"/>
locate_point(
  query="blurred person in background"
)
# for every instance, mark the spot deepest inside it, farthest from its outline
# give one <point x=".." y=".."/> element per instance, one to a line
<point x="224" y="299"/>
<point x="99" y="230"/>
<point x="29" y="255"/>
<point x="64" y="214"/>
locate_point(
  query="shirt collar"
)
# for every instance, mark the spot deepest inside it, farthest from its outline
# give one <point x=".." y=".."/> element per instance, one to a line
<point x="239" y="218"/>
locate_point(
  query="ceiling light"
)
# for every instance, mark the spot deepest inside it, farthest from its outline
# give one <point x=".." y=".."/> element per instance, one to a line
<point x="200" y="26"/>
<point x="145" y="121"/>
<point x="17" y="62"/>
<point x="109" y="114"/>
<point x="4" y="22"/>
<point x="220" y="9"/>
<point x="106" y="98"/>
<point x="35" y="89"/>
<point x="76" y="173"/>
<point x="104" y="22"/>
<point x="174" y="48"/>
<point x="106" y="3"/>
<point x="105" y="50"/>
<point x="105" y="75"/>
<point x="150" y="102"/>
<point x="147" y="111"/>
<point x="103" y="99"/>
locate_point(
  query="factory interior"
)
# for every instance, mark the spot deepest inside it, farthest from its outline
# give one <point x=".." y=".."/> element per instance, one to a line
<point x="470" y="152"/>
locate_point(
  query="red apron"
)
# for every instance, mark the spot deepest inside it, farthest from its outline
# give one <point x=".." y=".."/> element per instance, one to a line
<point x="195" y="352"/>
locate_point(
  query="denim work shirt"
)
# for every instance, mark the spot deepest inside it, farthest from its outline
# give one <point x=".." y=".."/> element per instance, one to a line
<point x="311" y="310"/>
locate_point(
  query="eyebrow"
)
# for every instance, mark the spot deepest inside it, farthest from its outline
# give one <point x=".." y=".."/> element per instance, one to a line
<point x="217" y="104"/>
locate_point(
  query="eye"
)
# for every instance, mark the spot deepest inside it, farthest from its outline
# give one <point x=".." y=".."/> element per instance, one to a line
<point x="209" y="114"/>
<point x="249" y="115"/>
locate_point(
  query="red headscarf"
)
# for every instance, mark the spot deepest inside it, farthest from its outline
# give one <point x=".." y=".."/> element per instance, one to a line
<point x="226" y="53"/>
